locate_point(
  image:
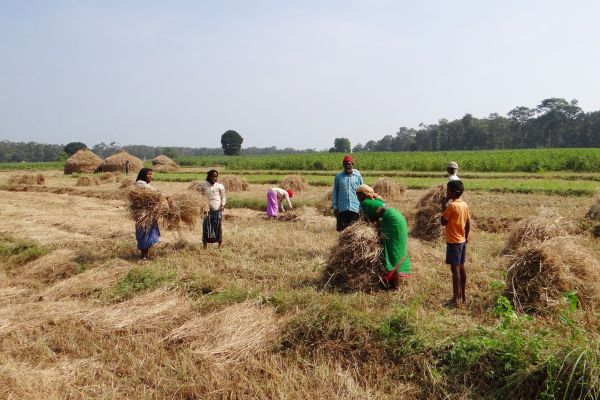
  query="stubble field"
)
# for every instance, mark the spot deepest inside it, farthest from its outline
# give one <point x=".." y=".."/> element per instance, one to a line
<point x="81" y="317"/>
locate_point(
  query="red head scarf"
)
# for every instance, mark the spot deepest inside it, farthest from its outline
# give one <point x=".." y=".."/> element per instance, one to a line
<point x="348" y="158"/>
<point x="290" y="193"/>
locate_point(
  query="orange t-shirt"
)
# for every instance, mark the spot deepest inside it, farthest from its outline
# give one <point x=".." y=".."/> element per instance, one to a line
<point x="457" y="215"/>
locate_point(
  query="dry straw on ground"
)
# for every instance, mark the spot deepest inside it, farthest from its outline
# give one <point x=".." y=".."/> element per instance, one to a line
<point x="545" y="225"/>
<point x="323" y="205"/>
<point x="108" y="177"/>
<point x="234" y="334"/>
<point x="294" y="182"/>
<point x="118" y="161"/>
<point x="26" y="179"/>
<point x="83" y="161"/>
<point x="388" y="189"/>
<point x="87" y="181"/>
<point x="234" y="183"/>
<point x="354" y="263"/>
<point x="163" y="163"/>
<point x="593" y="212"/>
<point x="426" y="223"/>
<point x="541" y="273"/>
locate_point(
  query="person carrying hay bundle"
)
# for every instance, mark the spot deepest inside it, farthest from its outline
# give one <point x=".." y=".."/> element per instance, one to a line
<point x="275" y="198"/>
<point x="455" y="219"/>
<point x="394" y="234"/>
<point x="146" y="236"/>
<point x="344" y="202"/>
<point x="212" y="230"/>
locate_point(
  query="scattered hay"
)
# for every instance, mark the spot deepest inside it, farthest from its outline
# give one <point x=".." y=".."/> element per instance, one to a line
<point x="546" y="225"/>
<point x="157" y="310"/>
<point x="118" y="161"/>
<point x="58" y="265"/>
<point x="234" y="183"/>
<point x="13" y="295"/>
<point x="323" y="205"/>
<point x="163" y="163"/>
<point x="426" y="225"/>
<point x="294" y="182"/>
<point x="233" y="334"/>
<point x="354" y="263"/>
<point x="596" y="231"/>
<point x="28" y="317"/>
<point x="148" y="206"/>
<point x="126" y="183"/>
<point x="87" y="181"/>
<point x="83" y="161"/>
<point x="541" y="273"/>
<point x="388" y="189"/>
<point x="307" y="215"/>
<point x="24" y="179"/>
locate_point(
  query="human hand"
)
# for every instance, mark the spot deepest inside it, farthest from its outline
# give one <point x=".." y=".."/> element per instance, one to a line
<point x="222" y="208"/>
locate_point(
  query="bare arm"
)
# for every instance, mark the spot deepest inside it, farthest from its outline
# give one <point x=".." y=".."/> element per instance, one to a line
<point x="467" y="229"/>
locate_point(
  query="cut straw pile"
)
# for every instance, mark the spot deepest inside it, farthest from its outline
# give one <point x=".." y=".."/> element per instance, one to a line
<point x="26" y="179"/>
<point x="294" y="182"/>
<point x="546" y="225"/>
<point x="234" y="183"/>
<point x="148" y="206"/>
<point x="354" y="263"/>
<point x="388" y="189"/>
<point x="541" y="273"/>
<point x="87" y="181"/>
<point x="427" y="224"/>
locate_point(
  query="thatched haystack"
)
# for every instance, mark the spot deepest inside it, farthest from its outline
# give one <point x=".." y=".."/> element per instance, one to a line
<point x="163" y="163"/>
<point x="234" y="183"/>
<point x="354" y="263"/>
<point x="323" y="205"/>
<point x="541" y="273"/>
<point x="118" y="161"/>
<point x="546" y="225"/>
<point x="294" y="182"/>
<point x="388" y="189"/>
<point x="26" y="179"/>
<point x="426" y="225"/>
<point x="83" y="161"/>
<point x="87" y="181"/>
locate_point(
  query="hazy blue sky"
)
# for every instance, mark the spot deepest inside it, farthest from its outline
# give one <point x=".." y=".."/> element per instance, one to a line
<point x="297" y="74"/>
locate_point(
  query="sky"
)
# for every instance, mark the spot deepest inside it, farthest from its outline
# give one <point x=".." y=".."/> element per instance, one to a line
<point x="282" y="73"/>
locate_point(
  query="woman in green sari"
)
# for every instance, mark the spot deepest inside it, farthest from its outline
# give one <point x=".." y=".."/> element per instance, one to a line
<point x="394" y="234"/>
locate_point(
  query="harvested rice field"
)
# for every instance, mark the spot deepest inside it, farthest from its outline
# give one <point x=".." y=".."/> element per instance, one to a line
<point x="82" y="317"/>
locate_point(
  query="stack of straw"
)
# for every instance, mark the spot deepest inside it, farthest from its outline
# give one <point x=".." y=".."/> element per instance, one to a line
<point x="233" y="183"/>
<point x="388" y="189"/>
<point x="427" y="224"/>
<point x="295" y="183"/>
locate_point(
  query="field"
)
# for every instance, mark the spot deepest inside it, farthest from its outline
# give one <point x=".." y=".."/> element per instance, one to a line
<point x="81" y="317"/>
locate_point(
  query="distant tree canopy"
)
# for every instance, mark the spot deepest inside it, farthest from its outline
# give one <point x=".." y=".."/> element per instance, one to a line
<point x="73" y="147"/>
<point x="231" y="141"/>
<point x="341" y="145"/>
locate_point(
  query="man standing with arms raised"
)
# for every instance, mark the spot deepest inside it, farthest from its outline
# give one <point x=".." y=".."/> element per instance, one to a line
<point x="344" y="202"/>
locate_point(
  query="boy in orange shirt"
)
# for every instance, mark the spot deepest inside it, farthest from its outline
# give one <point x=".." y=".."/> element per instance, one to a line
<point x="456" y="220"/>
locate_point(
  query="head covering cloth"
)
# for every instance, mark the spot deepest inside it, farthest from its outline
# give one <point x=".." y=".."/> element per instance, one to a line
<point x="289" y="192"/>
<point x="348" y="158"/>
<point x="368" y="191"/>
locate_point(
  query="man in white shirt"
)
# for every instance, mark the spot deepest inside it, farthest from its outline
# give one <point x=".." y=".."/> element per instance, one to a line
<point x="215" y="194"/>
<point x="452" y="168"/>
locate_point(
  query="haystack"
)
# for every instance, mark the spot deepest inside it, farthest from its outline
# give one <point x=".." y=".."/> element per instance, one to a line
<point x="323" y="205"/>
<point x="234" y="183"/>
<point x="546" y="225"/>
<point x="163" y="163"/>
<point x="87" y="181"/>
<point x="388" y="189"/>
<point x="83" y="161"/>
<point x="118" y="161"/>
<point x="294" y="182"/>
<point x="354" y="263"/>
<point x="541" y="273"/>
<point x="427" y="224"/>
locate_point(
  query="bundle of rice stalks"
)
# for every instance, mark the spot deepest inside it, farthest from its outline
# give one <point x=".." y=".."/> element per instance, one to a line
<point x="39" y="179"/>
<point x="196" y="186"/>
<point x="106" y="177"/>
<point x="294" y="182"/>
<point x="354" y="263"/>
<point x="163" y="163"/>
<point x="126" y="183"/>
<point x="184" y="208"/>
<point x="426" y="225"/>
<point x="82" y="161"/>
<point x="145" y="206"/>
<point x="87" y="181"/>
<point x="233" y="334"/>
<point x="24" y="179"/>
<point x="541" y="273"/>
<point x="546" y="225"/>
<point x="323" y="205"/>
<point x="388" y="189"/>
<point x="234" y="183"/>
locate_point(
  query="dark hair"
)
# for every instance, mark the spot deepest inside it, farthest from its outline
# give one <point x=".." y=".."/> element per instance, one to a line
<point x="142" y="175"/>
<point x="209" y="173"/>
<point x="457" y="187"/>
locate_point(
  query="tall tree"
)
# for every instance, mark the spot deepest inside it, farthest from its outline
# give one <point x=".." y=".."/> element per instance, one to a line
<point x="342" y="145"/>
<point x="73" y="147"/>
<point x="231" y="141"/>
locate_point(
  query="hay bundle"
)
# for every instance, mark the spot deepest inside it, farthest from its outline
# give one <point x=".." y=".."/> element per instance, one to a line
<point x="234" y="183"/>
<point x="39" y="179"/>
<point x="593" y="212"/>
<point x="107" y="177"/>
<point x="426" y="225"/>
<point x="236" y="333"/>
<point x="118" y="161"/>
<point x="323" y="205"/>
<point x="184" y="209"/>
<point x="58" y="265"/>
<point x="294" y="182"/>
<point x="87" y="181"/>
<point x="24" y="179"/>
<point x="196" y="186"/>
<point x="126" y="183"/>
<point x="388" y="189"/>
<point x="163" y="163"/>
<point x="541" y="273"/>
<point x="354" y="263"/>
<point x="145" y="206"/>
<point x="83" y="161"/>
<point x="546" y="225"/>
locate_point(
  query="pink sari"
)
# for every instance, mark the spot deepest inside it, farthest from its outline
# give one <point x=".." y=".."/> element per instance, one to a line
<point x="272" y="204"/>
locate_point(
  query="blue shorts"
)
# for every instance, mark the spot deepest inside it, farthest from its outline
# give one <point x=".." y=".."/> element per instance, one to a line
<point x="456" y="253"/>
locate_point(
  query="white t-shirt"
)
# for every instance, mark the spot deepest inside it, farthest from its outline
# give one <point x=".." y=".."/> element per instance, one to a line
<point x="144" y="185"/>
<point x="215" y="195"/>
<point x="453" y="177"/>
